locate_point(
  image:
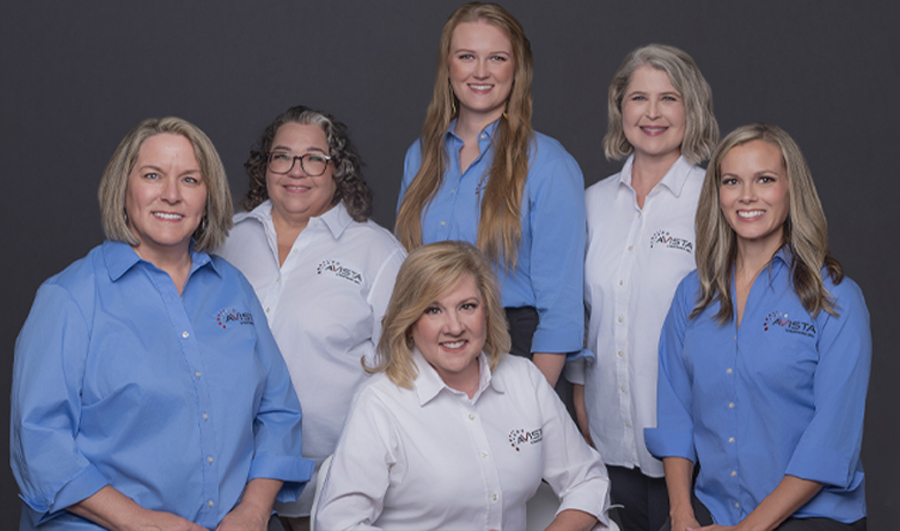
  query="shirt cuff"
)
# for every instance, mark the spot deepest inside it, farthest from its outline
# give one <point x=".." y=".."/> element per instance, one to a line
<point x="558" y="340"/>
<point x="574" y="369"/>
<point x="663" y="442"/>
<point x="294" y="471"/>
<point x="585" y="500"/>
<point x="85" y="484"/>
<point x="823" y="465"/>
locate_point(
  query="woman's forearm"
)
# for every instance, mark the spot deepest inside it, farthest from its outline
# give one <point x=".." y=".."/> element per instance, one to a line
<point x="572" y="520"/>
<point x="791" y="494"/>
<point x="679" y="475"/>
<point x="550" y="364"/>
<point x="581" y="412"/>
<point x="113" y="510"/>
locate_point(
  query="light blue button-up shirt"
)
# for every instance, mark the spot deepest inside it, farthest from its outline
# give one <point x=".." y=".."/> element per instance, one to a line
<point x="549" y="270"/>
<point x="783" y="394"/>
<point x="175" y="400"/>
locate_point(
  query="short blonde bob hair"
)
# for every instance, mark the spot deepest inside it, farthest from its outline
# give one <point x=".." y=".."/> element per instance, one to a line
<point x="702" y="130"/>
<point x="216" y="222"/>
<point x="429" y="272"/>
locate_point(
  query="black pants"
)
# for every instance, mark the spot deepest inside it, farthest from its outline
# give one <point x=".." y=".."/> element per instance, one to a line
<point x="521" y="323"/>
<point x="644" y="500"/>
<point x="791" y="524"/>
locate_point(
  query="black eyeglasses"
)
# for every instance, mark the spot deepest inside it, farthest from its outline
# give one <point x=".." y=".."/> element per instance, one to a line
<point x="313" y="164"/>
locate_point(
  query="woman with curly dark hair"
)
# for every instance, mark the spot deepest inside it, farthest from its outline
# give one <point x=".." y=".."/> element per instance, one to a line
<point x="322" y="270"/>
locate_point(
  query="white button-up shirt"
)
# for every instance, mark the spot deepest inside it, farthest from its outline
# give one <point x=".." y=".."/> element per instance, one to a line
<point x="431" y="458"/>
<point x="324" y="305"/>
<point x="634" y="260"/>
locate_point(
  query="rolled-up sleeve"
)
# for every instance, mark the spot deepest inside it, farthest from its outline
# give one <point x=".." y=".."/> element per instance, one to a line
<point x="277" y="436"/>
<point x="558" y="231"/>
<point x="48" y="373"/>
<point x="573" y="469"/>
<point x="828" y="450"/>
<point x="673" y="434"/>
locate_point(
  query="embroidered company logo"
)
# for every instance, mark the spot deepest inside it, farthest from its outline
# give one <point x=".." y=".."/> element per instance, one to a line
<point x="233" y="317"/>
<point x="778" y="320"/>
<point x="520" y="437"/>
<point x="335" y="268"/>
<point x="662" y="239"/>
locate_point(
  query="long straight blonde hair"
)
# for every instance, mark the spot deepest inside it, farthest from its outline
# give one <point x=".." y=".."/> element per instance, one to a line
<point x="500" y="228"/>
<point x="805" y="229"/>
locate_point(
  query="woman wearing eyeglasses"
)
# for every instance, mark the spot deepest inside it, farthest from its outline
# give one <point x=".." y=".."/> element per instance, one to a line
<point x="322" y="270"/>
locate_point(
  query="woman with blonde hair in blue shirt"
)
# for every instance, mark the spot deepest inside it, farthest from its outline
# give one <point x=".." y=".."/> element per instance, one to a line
<point x="765" y="355"/>
<point x="148" y="391"/>
<point x="481" y="174"/>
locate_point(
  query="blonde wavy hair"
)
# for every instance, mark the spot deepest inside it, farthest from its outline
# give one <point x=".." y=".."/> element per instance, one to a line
<point x="805" y="229"/>
<point x="499" y="228"/>
<point x="429" y="272"/>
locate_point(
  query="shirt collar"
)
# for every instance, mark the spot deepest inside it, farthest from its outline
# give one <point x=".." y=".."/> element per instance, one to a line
<point x="674" y="179"/>
<point x="486" y="134"/>
<point x="429" y="384"/>
<point x="337" y="219"/>
<point x="120" y="257"/>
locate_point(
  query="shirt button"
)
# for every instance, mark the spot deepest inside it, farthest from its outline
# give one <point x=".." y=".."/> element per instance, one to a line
<point x="278" y="279"/>
<point x="731" y="440"/>
<point x="315" y="222"/>
<point x="443" y="223"/>
<point x="622" y="388"/>
<point x="268" y="310"/>
<point x="453" y="191"/>
<point x="621" y="318"/>
<point x="731" y="405"/>
<point x="728" y="370"/>
<point x="209" y="459"/>
<point x="471" y="416"/>
<point x="640" y="213"/>
<point x="185" y="334"/>
<point x="210" y="503"/>
<point x="631" y="247"/>
<point x="734" y="473"/>
<point x="494" y="497"/>
<point x="627" y="424"/>
<point x="737" y="505"/>
<point x="206" y="416"/>
<point x="483" y="136"/>
<point x="621" y="282"/>
<point x="621" y="353"/>
<point x="294" y="251"/>
<point x="197" y="374"/>
<point x="484" y="455"/>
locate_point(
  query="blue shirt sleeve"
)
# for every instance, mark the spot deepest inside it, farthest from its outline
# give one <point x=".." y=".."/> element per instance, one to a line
<point x="828" y="450"/>
<point x="46" y="408"/>
<point x="673" y="434"/>
<point x="558" y="231"/>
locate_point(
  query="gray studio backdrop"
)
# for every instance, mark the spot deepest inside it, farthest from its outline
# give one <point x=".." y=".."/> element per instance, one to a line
<point x="76" y="76"/>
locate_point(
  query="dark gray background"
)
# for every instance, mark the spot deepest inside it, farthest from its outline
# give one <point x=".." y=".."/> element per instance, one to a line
<point x="76" y="76"/>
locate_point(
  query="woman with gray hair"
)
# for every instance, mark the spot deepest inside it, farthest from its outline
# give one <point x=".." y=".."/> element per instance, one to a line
<point x="147" y="387"/>
<point x="640" y="243"/>
<point x="451" y="432"/>
<point x="322" y="270"/>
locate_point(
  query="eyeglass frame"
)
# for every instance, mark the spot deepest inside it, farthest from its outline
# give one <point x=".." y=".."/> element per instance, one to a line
<point x="294" y="159"/>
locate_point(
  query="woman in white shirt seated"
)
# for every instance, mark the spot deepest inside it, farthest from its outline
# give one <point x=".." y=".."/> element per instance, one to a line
<point x="451" y="433"/>
<point x="322" y="270"/>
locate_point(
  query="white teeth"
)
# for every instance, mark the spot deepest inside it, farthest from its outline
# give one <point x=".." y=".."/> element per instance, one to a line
<point x="481" y="87"/>
<point x="750" y="214"/>
<point x="165" y="215"/>
<point x="455" y="344"/>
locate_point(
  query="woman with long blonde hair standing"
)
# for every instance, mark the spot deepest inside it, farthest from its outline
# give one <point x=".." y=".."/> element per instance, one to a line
<point x="481" y="174"/>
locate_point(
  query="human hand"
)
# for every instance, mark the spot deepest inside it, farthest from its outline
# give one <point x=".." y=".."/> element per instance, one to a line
<point x="685" y="523"/>
<point x="149" y="520"/>
<point x="245" y="518"/>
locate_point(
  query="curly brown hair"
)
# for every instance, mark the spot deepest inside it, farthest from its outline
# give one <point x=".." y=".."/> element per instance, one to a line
<point x="350" y="186"/>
